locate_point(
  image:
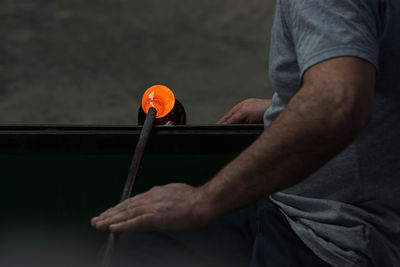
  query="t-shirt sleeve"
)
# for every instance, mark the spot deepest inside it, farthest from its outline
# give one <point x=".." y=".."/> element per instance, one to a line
<point x="324" y="29"/>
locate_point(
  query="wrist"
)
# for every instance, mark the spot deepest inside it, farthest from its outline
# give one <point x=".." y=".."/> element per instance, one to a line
<point x="204" y="208"/>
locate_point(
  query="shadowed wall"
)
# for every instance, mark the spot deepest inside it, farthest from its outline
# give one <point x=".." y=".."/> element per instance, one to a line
<point x="88" y="62"/>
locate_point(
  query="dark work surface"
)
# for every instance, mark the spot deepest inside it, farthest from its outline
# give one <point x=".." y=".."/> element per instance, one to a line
<point x="48" y="195"/>
<point x="122" y="139"/>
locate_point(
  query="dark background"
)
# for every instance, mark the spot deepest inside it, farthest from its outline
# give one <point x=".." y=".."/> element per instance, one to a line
<point x="88" y="62"/>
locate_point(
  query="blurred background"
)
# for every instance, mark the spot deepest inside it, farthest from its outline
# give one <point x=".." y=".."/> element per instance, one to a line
<point x="88" y="62"/>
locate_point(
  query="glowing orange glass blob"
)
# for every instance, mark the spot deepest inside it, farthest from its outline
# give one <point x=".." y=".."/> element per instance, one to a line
<point x="159" y="97"/>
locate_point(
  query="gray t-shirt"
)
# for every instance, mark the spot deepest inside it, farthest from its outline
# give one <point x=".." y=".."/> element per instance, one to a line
<point x="348" y="212"/>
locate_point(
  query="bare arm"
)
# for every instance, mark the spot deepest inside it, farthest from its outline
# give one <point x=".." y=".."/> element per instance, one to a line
<point x="334" y="104"/>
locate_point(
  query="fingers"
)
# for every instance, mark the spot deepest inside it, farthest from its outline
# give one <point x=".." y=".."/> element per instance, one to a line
<point x="139" y="222"/>
<point x="108" y="213"/>
<point x="248" y="111"/>
<point x="234" y="118"/>
<point x="227" y="118"/>
<point x="119" y="218"/>
<point x="231" y="118"/>
<point x="120" y="208"/>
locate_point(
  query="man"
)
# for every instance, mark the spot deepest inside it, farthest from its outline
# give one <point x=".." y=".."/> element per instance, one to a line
<point x="328" y="158"/>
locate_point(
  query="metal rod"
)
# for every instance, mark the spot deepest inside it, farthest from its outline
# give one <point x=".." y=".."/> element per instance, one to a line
<point x="130" y="180"/>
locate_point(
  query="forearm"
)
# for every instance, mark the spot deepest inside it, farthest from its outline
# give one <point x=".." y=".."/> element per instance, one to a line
<point x="310" y="131"/>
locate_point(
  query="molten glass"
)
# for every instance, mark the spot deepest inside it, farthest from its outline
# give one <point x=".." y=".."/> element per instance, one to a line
<point x="159" y="97"/>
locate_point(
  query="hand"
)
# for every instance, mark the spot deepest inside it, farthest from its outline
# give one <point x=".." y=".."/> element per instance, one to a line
<point x="249" y="111"/>
<point x="171" y="207"/>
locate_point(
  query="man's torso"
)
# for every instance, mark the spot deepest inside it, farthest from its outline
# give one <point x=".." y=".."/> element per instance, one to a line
<point x="348" y="208"/>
